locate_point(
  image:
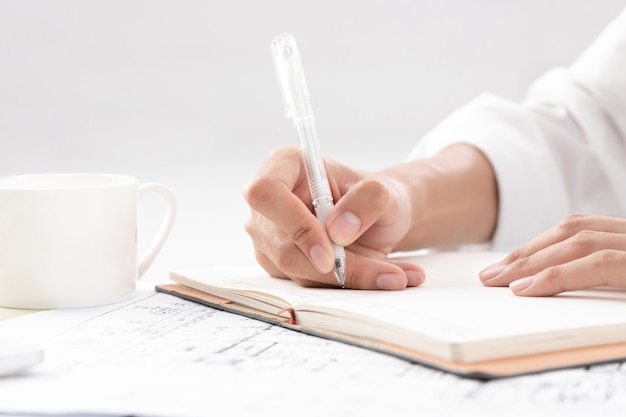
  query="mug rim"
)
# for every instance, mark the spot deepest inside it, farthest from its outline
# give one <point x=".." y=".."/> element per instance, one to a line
<point x="83" y="180"/>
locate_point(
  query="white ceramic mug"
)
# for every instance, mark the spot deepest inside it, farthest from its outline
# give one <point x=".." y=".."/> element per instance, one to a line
<point x="70" y="240"/>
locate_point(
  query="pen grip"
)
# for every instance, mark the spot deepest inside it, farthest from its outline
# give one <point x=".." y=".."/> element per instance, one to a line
<point x="320" y="194"/>
<point x="322" y="210"/>
<point x="322" y="207"/>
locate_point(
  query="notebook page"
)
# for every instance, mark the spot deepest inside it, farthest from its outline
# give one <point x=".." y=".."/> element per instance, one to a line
<point x="458" y="318"/>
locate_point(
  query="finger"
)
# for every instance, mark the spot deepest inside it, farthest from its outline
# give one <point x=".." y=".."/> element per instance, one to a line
<point x="284" y="164"/>
<point x="357" y="211"/>
<point x="276" y="202"/>
<point x="580" y="245"/>
<point x="281" y="258"/>
<point x="284" y="260"/>
<point x="602" y="268"/>
<point x="275" y="251"/>
<point x="414" y="273"/>
<point x="275" y="272"/>
<point x="573" y="224"/>
<point x="570" y="226"/>
<point x="364" y="273"/>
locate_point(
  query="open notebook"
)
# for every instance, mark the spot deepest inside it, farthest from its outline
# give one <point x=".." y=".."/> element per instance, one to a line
<point x="452" y="322"/>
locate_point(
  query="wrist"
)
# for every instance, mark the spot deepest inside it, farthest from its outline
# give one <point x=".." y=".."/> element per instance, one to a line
<point x="451" y="198"/>
<point x="410" y="185"/>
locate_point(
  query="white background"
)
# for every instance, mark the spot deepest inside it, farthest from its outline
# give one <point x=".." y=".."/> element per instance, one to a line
<point x="184" y="92"/>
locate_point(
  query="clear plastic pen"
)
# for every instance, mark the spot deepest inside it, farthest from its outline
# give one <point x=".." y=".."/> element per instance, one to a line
<point x="298" y="108"/>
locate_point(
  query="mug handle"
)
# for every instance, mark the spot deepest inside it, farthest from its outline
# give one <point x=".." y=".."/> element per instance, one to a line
<point x="166" y="226"/>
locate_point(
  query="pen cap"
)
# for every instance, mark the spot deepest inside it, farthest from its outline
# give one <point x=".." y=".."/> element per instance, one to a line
<point x="291" y="80"/>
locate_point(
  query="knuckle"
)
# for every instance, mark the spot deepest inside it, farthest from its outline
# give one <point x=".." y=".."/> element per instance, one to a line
<point x="514" y="256"/>
<point x="608" y="257"/>
<point x="258" y="191"/>
<point x="573" y="222"/>
<point x="522" y="263"/>
<point x="260" y="188"/>
<point x="282" y="152"/>
<point x="250" y="226"/>
<point x="553" y="276"/>
<point x="260" y="230"/>
<point x="582" y="240"/>
<point x="374" y="192"/>
<point x="301" y="234"/>
<point x="609" y="261"/>
<point x="358" y="278"/>
<point x="353" y="279"/>
<point x="604" y="259"/>
<point x="553" y="279"/>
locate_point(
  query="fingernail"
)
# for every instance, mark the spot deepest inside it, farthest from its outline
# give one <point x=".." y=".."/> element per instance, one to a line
<point x="345" y="228"/>
<point x="322" y="260"/>
<point x="389" y="282"/>
<point x="521" y="284"/>
<point x="492" y="271"/>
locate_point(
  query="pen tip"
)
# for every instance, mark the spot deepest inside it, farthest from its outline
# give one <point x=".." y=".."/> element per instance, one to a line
<point x="340" y="271"/>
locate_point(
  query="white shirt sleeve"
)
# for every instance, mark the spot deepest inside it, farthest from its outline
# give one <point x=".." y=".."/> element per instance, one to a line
<point x="562" y="150"/>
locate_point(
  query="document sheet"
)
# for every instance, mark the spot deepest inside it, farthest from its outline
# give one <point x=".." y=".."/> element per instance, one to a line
<point x="158" y="355"/>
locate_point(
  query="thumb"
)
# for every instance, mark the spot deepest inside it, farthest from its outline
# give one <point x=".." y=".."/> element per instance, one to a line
<point x="357" y="210"/>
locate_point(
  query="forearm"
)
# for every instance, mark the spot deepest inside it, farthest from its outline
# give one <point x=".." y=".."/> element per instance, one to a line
<point x="453" y="198"/>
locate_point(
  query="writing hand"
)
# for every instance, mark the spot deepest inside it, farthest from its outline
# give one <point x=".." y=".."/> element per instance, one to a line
<point x="583" y="251"/>
<point x="371" y="215"/>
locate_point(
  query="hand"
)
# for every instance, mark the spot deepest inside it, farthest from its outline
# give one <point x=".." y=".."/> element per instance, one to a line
<point x="371" y="216"/>
<point x="583" y="251"/>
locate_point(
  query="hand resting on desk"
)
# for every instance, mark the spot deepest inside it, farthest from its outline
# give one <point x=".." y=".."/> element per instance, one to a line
<point x="583" y="251"/>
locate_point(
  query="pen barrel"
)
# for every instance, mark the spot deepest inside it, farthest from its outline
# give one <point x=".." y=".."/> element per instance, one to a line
<point x="313" y="161"/>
